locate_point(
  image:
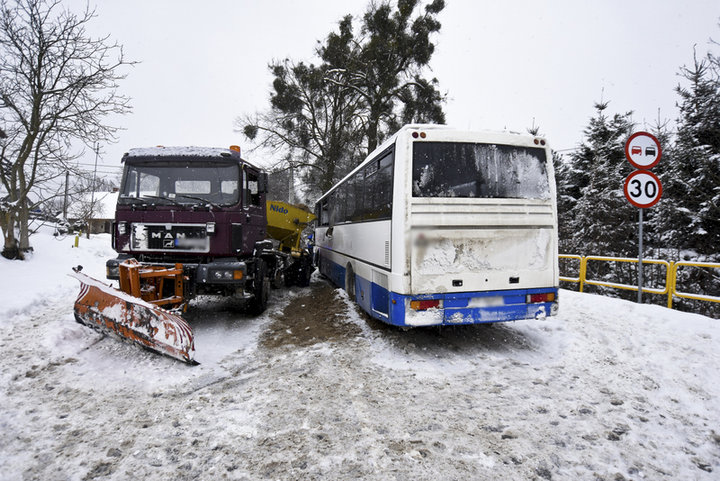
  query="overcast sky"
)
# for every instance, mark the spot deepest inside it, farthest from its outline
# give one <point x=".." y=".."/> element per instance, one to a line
<point x="502" y="64"/>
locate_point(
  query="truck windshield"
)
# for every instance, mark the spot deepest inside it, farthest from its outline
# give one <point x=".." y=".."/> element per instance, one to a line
<point x="181" y="182"/>
<point x="459" y="169"/>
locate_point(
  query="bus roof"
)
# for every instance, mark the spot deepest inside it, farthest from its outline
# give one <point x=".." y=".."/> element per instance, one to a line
<point x="420" y="127"/>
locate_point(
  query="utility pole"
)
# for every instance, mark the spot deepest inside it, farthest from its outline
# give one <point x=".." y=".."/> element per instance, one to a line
<point x="67" y="181"/>
<point x="92" y="195"/>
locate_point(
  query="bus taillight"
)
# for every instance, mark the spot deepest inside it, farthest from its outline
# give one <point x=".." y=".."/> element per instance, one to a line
<point x="538" y="298"/>
<point x="424" y="305"/>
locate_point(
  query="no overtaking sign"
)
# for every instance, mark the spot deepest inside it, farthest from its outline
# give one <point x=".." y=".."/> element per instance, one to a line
<point x="643" y="150"/>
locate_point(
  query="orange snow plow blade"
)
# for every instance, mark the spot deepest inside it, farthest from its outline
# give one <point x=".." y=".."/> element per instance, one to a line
<point x="109" y="310"/>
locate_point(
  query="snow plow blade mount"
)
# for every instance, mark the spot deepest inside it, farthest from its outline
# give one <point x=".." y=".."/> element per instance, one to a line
<point x="111" y="311"/>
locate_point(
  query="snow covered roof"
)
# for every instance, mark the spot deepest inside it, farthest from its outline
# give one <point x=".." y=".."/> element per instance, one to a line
<point x="105" y="203"/>
<point x="161" y="151"/>
<point x="189" y="151"/>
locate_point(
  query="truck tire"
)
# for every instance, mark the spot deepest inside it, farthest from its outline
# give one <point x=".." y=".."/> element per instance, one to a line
<point x="305" y="273"/>
<point x="290" y="276"/>
<point x="261" y="289"/>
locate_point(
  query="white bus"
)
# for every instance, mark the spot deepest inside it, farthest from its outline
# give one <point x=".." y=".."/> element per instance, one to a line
<point x="444" y="227"/>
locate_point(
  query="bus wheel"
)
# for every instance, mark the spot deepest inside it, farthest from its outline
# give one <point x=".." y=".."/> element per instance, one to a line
<point x="350" y="282"/>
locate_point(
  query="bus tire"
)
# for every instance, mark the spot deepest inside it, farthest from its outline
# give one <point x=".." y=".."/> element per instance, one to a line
<point x="350" y="282"/>
<point x="319" y="264"/>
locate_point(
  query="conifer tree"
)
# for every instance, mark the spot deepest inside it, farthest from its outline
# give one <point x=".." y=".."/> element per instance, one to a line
<point x="596" y="216"/>
<point x="312" y="125"/>
<point x="384" y="64"/>
<point x="565" y="201"/>
<point x="667" y="222"/>
<point x="697" y="154"/>
<point x="368" y="82"/>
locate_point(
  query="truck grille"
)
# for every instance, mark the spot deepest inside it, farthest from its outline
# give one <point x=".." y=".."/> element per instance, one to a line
<point x="170" y="237"/>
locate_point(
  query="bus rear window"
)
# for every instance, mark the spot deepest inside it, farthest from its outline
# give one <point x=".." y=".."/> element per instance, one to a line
<point x="459" y="169"/>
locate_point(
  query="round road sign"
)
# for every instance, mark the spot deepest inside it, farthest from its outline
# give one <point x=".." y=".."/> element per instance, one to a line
<point x="643" y="150"/>
<point x="643" y="189"/>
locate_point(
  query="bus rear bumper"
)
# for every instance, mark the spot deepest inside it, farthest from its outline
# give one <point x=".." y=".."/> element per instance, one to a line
<point x="471" y="307"/>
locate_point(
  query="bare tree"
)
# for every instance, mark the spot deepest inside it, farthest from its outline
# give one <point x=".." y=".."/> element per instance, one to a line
<point x="57" y="86"/>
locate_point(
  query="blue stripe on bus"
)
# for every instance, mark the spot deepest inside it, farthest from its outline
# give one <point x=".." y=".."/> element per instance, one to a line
<point x="389" y="307"/>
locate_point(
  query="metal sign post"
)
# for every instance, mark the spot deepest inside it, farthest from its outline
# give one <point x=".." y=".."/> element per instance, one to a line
<point x="640" y="255"/>
<point x="642" y="188"/>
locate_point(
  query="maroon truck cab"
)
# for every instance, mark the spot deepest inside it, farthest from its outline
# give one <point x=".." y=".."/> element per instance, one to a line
<point x="202" y="207"/>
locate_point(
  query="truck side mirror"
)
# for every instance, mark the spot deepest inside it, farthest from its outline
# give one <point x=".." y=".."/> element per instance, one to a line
<point x="263" y="181"/>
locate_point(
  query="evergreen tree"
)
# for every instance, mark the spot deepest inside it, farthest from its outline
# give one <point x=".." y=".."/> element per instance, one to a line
<point x="384" y="65"/>
<point x="565" y="201"/>
<point x="596" y="217"/>
<point x="697" y="155"/>
<point x="313" y="125"/>
<point x="667" y="222"/>
<point x="366" y="85"/>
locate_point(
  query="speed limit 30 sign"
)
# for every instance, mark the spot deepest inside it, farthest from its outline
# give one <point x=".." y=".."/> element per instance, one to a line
<point x="643" y="189"/>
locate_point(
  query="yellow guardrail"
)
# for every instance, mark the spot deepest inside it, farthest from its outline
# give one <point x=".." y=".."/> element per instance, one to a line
<point x="671" y="269"/>
<point x="698" y="297"/>
<point x="580" y="279"/>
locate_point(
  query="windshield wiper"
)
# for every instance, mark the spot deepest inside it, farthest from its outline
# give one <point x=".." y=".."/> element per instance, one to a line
<point x="200" y="199"/>
<point x="172" y="201"/>
<point x="133" y="200"/>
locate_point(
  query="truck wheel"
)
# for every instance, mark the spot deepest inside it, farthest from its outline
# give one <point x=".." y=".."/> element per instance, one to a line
<point x="261" y="289"/>
<point x="290" y="276"/>
<point x="305" y="273"/>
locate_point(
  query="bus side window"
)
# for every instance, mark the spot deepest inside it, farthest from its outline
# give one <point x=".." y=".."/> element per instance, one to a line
<point x="323" y="216"/>
<point x="359" y="196"/>
<point x="384" y="186"/>
<point x="378" y="188"/>
<point x="350" y="199"/>
<point x="335" y="208"/>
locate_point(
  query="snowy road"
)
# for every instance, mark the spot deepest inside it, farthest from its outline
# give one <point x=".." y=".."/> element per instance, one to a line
<point x="314" y="390"/>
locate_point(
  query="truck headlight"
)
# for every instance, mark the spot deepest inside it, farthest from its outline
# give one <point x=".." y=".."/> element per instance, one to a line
<point x="210" y="227"/>
<point x="122" y="228"/>
<point x="226" y="275"/>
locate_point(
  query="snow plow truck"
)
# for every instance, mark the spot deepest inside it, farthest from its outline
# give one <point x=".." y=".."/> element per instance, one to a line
<point x="192" y="221"/>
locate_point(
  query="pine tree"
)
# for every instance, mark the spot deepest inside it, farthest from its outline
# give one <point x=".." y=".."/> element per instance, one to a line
<point x="697" y="154"/>
<point x="312" y="124"/>
<point x="596" y="217"/>
<point x="368" y="82"/>
<point x="384" y="64"/>
<point x="667" y="222"/>
<point x="565" y="201"/>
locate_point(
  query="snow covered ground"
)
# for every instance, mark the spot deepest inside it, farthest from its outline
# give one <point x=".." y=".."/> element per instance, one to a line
<point x="313" y="389"/>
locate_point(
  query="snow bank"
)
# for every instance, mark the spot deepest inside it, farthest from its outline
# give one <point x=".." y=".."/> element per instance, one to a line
<point x="607" y="389"/>
<point x="25" y="285"/>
